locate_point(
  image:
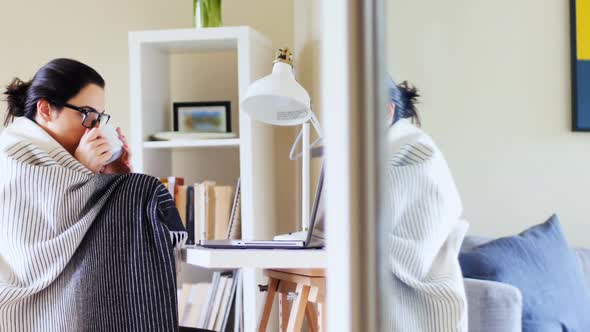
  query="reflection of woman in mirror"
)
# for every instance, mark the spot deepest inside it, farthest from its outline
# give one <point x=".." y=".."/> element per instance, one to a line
<point x="426" y="228"/>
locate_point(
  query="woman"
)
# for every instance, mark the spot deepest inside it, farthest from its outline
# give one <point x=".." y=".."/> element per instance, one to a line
<point x="426" y="228"/>
<point x="79" y="250"/>
<point x="66" y="99"/>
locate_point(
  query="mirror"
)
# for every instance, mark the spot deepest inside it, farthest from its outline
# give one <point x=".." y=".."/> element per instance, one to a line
<point x="495" y="148"/>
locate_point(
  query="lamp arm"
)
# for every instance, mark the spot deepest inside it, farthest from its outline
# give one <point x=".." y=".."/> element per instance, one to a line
<point x="316" y="125"/>
<point x="295" y="156"/>
<point x="292" y="154"/>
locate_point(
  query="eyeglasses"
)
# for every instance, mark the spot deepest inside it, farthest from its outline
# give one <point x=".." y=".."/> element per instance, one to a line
<point x="90" y="116"/>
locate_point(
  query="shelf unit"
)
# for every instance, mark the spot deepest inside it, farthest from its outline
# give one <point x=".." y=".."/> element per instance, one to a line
<point x="205" y="143"/>
<point x="150" y="53"/>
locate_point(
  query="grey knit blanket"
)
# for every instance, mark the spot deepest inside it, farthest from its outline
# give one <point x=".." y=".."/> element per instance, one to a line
<point x="78" y="251"/>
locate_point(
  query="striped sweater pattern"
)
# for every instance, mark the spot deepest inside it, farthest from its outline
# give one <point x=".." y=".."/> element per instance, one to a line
<point x="424" y="234"/>
<point x="78" y="251"/>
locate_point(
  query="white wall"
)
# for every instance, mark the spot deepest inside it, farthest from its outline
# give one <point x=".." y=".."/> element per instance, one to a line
<point x="495" y="77"/>
<point x="94" y="32"/>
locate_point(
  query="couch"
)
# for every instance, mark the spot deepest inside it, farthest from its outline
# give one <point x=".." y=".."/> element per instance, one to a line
<point x="495" y="306"/>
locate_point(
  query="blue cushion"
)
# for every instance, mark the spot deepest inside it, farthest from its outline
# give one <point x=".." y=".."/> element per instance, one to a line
<point x="540" y="263"/>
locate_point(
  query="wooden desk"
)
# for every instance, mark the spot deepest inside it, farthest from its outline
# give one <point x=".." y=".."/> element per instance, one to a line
<point x="305" y="287"/>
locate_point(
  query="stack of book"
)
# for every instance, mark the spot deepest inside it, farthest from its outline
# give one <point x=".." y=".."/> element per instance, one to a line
<point x="214" y="306"/>
<point x="208" y="211"/>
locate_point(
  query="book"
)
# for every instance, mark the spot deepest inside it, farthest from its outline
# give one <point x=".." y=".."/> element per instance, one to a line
<point x="183" y="299"/>
<point x="205" y="210"/>
<point x="224" y="303"/>
<point x="223" y="205"/>
<point x="217" y="302"/>
<point x="207" y="306"/>
<point x="231" y="304"/>
<point x="180" y="202"/>
<point x="214" y="305"/>
<point x="172" y="183"/>
<point x="239" y="307"/>
<point x="209" y="210"/>
<point x="187" y="298"/>
<point x="196" y="301"/>
<point x="234" y="229"/>
<point x="199" y="212"/>
<point x="190" y="215"/>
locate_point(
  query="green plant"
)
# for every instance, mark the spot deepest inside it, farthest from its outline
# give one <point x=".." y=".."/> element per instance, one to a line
<point x="210" y="12"/>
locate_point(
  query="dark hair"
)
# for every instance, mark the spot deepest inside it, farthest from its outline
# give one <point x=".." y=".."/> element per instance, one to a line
<point x="57" y="82"/>
<point x="405" y="97"/>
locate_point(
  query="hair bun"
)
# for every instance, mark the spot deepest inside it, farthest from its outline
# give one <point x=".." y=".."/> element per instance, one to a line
<point x="16" y="96"/>
<point x="409" y="95"/>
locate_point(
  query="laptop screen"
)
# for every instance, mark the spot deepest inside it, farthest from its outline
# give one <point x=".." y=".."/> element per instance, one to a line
<point x="318" y="214"/>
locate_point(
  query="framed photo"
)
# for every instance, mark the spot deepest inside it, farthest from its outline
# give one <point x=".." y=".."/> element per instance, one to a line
<point x="202" y="117"/>
<point x="580" y="32"/>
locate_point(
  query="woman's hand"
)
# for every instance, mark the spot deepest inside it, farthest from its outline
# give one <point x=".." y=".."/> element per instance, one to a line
<point x="123" y="164"/>
<point x="93" y="150"/>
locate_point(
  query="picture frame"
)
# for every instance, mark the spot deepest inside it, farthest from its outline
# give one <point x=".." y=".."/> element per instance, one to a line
<point x="580" y="64"/>
<point x="202" y="117"/>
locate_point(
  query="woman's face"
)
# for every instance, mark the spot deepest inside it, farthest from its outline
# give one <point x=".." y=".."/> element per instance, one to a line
<point x="65" y="125"/>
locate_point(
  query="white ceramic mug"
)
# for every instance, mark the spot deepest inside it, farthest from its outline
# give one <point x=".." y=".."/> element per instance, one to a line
<point x="115" y="144"/>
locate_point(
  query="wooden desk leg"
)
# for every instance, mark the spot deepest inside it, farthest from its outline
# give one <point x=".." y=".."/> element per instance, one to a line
<point x="322" y="313"/>
<point x="298" y="308"/>
<point x="270" y="296"/>
<point x="312" y="318"/>
<point x="283" y="312"/>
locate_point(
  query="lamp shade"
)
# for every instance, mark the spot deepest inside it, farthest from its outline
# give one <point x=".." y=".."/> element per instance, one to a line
<point x="278" y="99"/>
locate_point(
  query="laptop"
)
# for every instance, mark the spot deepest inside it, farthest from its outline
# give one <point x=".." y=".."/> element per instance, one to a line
<point x="315" y="234"/>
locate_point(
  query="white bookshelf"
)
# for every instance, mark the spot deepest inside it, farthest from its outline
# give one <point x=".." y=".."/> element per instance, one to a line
<point x="205" y="143"/>
<point x="151" y="105"/>
<point x="150" y="53"/>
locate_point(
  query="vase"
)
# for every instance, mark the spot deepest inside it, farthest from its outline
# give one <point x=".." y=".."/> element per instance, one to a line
<point x="207" y="13"/>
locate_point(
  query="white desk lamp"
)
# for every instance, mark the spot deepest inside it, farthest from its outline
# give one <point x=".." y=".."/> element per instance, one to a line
<point x="278" y="99"/>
